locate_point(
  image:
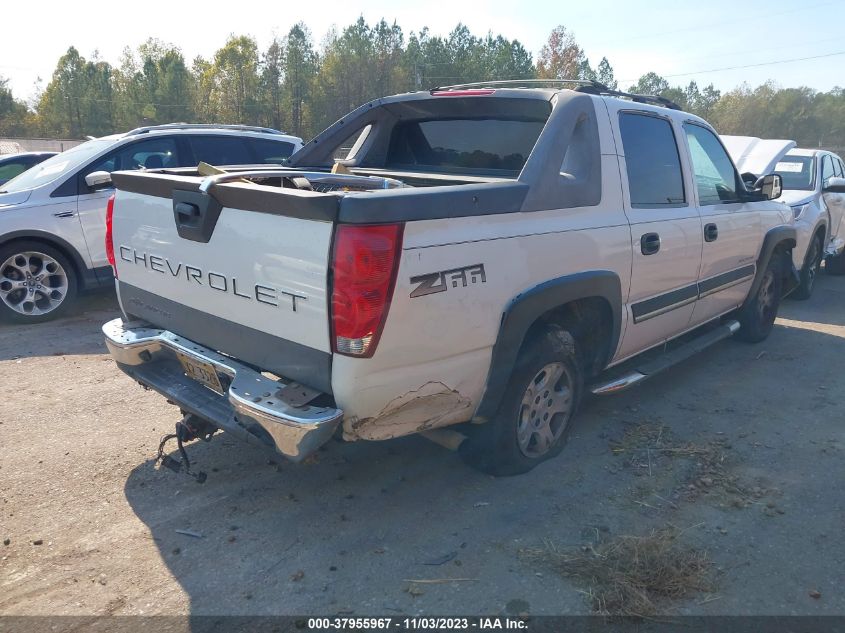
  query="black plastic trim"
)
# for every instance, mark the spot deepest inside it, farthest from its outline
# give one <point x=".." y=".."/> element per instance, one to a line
<point x="306" y="365"/>
<point x="777" y="236"/>
<point x="432" y="203"/>
<point x="650" y="308"/>
<point x="288" y="202"/>
<point x="644" y="310"/>
<point x="713" y="284"/>
<point x="526" y="308"/>
<point x="195" y="215"/>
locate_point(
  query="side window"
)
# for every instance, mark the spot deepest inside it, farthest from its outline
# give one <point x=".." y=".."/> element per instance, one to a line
<point x="827" y="169"/>
<point x="220" y="150"/>
<point x="838" y="167"/>
<point x="652" y="161"/>
<point x="269" y="152"/>
<point x="715" y="176"/>
<point x="153" y="153"/>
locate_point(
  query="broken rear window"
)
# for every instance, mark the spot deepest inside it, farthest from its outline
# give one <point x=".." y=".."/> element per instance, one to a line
<point x="485" y="145"/>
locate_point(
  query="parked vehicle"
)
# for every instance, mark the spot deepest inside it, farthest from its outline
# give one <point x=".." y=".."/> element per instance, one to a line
<point x="52" y="217"/>
<point x="12" y="165"/>
<point x="483" y="253"/>
<point x="814" y="186"/>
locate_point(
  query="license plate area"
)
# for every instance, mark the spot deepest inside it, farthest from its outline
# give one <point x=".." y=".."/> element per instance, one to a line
<point x="204" y="373"/>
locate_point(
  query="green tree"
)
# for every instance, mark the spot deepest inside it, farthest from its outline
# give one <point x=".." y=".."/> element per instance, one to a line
<point x="78" y="99"/>
<point x="235" y="80"/>
<point x="272" y="84"/>
<point x="152" y="86"/>
<point x="300" y="70"/>
<point x="604" y="74"/>
<point x="14" y="115"/>
<point x="204" y="103"/>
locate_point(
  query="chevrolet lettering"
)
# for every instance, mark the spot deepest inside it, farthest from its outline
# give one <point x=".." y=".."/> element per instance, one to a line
<point x="214" y="280"/>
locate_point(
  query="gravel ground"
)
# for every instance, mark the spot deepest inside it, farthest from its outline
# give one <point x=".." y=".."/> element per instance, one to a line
<point x="90" y="527"/>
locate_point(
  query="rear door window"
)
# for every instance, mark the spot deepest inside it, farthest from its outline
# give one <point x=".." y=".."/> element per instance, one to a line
<point x="269" y="152"/>
<point x="220" y="150"/>
<point x="652" y="161"/>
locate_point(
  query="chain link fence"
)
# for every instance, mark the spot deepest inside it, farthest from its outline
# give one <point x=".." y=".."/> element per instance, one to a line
<point x="15" y="145"/>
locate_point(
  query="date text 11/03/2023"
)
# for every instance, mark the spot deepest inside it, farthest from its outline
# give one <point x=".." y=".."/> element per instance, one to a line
<point x="418" y="624"/>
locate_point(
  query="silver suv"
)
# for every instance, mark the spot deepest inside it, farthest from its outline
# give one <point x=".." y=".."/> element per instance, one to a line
<point x="53" y="216"/>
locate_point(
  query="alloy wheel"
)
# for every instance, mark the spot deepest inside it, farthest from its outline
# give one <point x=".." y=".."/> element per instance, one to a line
<point x="32" y="283"/>
<point x="545" y="410"/>
<point x="766" y="299"/>
<point x="815" y="263"/>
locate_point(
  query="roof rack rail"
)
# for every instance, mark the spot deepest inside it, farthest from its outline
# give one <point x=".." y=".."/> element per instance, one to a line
<point x="519" y="83"/>
<point x="588" y="86"/>
<point x="600" y="89"/>
<point x="201" y="126"/>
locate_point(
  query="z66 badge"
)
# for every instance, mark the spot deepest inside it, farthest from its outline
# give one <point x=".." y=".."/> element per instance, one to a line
<point x="439" y="282"/>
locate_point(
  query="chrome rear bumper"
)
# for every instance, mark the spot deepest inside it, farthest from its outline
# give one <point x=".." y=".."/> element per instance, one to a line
<point x="254" y="407"/>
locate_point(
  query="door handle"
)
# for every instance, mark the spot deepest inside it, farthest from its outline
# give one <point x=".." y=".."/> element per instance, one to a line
<point x="650" y="243"/>
<point x="711" y="232"/>
<point x="64" y="214"/>
<point x="188" y="214"/>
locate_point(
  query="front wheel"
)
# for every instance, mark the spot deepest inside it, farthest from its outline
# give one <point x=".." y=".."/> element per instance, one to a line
<point x="37" y="283"/>
<point x="757" y="316"/>
<point x="535" y="418"/>
<point x="810" y="271"/>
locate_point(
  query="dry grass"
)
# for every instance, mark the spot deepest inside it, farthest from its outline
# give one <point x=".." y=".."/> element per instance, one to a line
<point x="651" y="447"/>
<point x="632" y="575"/>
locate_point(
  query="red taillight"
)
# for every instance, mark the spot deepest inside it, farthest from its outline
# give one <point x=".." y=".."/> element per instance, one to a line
<point x="365" y="261"/>
<point x="109" y="239"/>
<point x="463" y="93"/>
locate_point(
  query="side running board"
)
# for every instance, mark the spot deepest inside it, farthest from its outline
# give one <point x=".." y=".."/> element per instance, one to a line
<point x="677" y="355"/>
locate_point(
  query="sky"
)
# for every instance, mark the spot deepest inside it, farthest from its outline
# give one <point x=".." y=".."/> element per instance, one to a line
<point x="680" y="40"/>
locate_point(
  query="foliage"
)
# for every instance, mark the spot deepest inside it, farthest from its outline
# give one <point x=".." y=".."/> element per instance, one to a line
<point x="291" y="86"/>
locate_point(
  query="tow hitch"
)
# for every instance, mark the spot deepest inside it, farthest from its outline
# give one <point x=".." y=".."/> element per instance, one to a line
<point x="189" y="428"/>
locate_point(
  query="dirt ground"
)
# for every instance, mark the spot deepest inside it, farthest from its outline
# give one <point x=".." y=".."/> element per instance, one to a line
<point x="740" y="448"/>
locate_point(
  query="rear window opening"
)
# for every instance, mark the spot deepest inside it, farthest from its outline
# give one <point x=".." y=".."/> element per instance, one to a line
<point x="464" y="145"/>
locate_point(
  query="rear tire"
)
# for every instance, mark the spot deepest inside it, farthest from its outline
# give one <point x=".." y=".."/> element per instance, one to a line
<point x="810" y="270"/>
<point x="535" y="418"/>
<point x="37" y="282"/>
<point x="757" y="316"/>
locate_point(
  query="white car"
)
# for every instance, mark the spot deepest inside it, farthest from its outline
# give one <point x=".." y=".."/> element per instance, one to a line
<point x="52" y="217"/>
<point x="814" y="186"/>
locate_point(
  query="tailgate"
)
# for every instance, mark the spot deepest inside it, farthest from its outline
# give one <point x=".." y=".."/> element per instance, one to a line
<point x="251" y="284"/>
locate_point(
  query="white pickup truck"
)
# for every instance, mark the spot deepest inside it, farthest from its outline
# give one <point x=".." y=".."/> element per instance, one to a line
<point x="481" y="256"/>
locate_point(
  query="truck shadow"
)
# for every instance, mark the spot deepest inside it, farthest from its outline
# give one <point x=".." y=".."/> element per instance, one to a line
<point x="77" y="333"/>
<point x="347" y="533"/>
<point x="824" y="307"/>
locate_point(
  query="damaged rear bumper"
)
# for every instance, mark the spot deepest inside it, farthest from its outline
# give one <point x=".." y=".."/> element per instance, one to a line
<point x="253" y="407"/>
